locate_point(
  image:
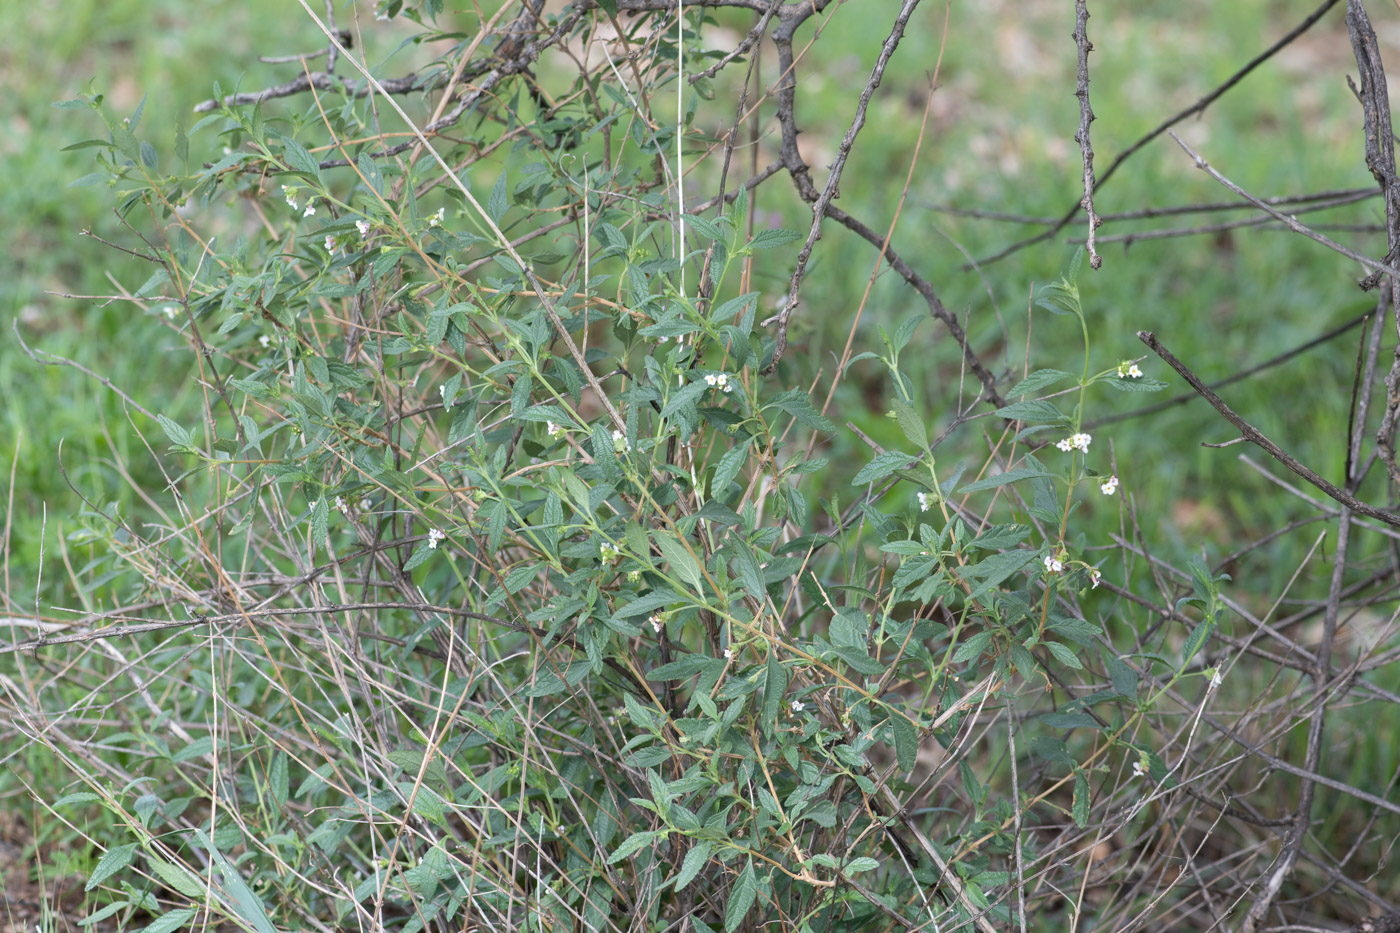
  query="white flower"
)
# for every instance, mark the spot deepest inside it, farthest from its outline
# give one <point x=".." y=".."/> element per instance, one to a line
<point x="633" y="576"/>
<point x="1129" y="370"/>
<point x="608" y="552"/>
<point x="620" y="441"/>
<point x="170" y="311"/>
<point x="310" y="210"/>
<point x="442" y="391"/>
<point x="1216" y="679"/>
<point x="554" y="429"/>
<point x="436" y="219"/>
<point x="265" y="341"/>
<point x="1053" y="564"/>
<point x="434" y="536"/>
<point x="364" y="504"/>
<point x="728" y="654"/>
<point x="1094" y="577"/>
<point x="923" y="501"/>
<point x="330" y="243"/>
<point x="656" y="621"/>
<point x="1138" y="769"/>
<point x="363" y="227"/>
<point x="718" y="381"/>
<point x="291" y="195"/>
<point x="1075" y="442"/>
<point x="797" y="706"/>
<point x="340" y="506"/>
<point x="1109" y="486"/>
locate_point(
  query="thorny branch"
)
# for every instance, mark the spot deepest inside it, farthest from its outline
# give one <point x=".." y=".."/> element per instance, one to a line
<point x="1086" y="116"/>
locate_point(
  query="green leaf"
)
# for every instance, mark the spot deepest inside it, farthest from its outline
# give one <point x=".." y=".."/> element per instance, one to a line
<point x="1001" y="479"/>
<point x="729" y="466"/>
<point x="298" y="159"/>
<point x="906" y="741"/>
<point x="1001" y="537"/>
<point x="171" y="921"/>
<point x="1065" y="655"/>
<point x="695" y="860"/>
<point x="883" y="465"/>
<point x="246" y="903"/>
<point x="277" y="779"/>
<point x="798" y="403"/>
<point x="1040" y="379"/>
<point x="177" y="877"/>
<point x="497" y="204"/>
<point x="911" y="424"/>
<point x="633" y="844"/>
<point x="679" y="557"/>
<point x="741" y="898"/>
<point x="750" y="574"/>
<point x="767" y="239"/>
<point x="1036" y="411"/>
<point x="1198" y="637"/>
<point x="113" y="860"/>
<point x="1081" y="799"/>
<point x="179" y="436"/>
<point x="774" y="684"/>
<point x="1069" y="721"/>
<point x="370" y="170"/>
<point x="1134" y="385"/>
<point x="857" y="865"/>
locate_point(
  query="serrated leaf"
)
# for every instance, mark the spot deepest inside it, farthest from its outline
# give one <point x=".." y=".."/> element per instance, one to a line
<point x="774" y="685"/>
<point x="633" y="844"/>
<point x="170" y="921"/>
<point x="369" y="170"/>
<point x="178" y="435"/>
<point x="1040" y="379"/>
<point x="1135" y="385"/>
<point x="497" y="204"/>
<point x="1065" y="655"/>
<point x="113" y="860"/>
<point x="679" y="557"/>
<point x="1069" y="721"/>
<point x="729" y="466"/>
<point x="750" y="574"/>
<point x="911" y="424"/>
<point x="906" y="741"/>
<point x="798" y="403"/>
<point x="277" y="779"/>
<point x="1034" y="411"/>
<point x="1001" y="537"/>
<point x="1080" y="809"/>
<point x="857" y="865"/>
<point x="741" y="898"/>
<point x="695" y="860"/>
<point x="767" y="239"/>
<point x="883" y="465"/>
<point x="1198" y="637"/>
<point x="176" y="877"/>
<point x="1002" y="479"/>
<point x="298" y="159"/>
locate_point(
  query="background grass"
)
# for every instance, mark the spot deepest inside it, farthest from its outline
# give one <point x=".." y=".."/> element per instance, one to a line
<point x="1000" y="138"/>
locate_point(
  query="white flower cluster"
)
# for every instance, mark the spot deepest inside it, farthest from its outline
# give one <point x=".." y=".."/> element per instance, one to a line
<point x="1129" y="370"/>
<point x="923" y="501"/>
<point x="1078" y="441"/>
<point x="434" y="537"/>
<point x="718" y="381"/>
<point x="330" y="244"/>
<point x="1053" y="564"/>
<point x="436" y="219"/>
<point x="1109" y="486"/>
<point x="620" y="441"/>
<point x="363" y="227"/>
<point x="554" y="429"/>
<point x="608" y="552"/>
<point x="656" y="622"/>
